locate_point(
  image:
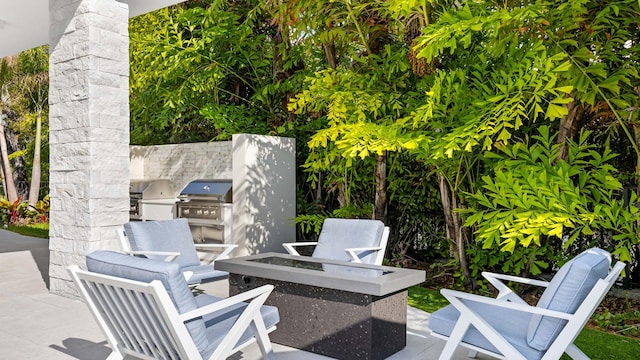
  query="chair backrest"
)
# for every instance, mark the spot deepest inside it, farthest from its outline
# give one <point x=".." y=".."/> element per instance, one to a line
<point x="141" y="314"/>
<point x="340" y="234"/>
<point x="566" y="292"/>
<point x="163" y="235"/>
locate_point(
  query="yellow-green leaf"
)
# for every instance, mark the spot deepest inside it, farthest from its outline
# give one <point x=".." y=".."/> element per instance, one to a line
<point x="555" y="111"/>
<point x="565" y="66"/>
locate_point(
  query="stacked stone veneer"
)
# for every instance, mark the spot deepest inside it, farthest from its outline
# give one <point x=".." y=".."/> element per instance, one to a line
<point x="182" y="163"/>
<point x="89" y="131"/>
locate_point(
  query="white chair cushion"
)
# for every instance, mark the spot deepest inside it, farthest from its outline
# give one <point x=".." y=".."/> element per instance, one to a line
<point x="566" y="292"/>
<point x="163" y="235"/>
<point x="340" y="234"/>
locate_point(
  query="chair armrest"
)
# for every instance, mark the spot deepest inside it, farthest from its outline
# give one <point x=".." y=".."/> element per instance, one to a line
<point x="170" y="255"/>
<point x="354" y="257"/>
<point x="124" y="241"/>
<point x="504" y="292"/>
<point x="225" y="303"/>
<point x="519" y="279"/>
<point x="290" y="246"/>
<point x="455" y="298"/>
<point x="228" y="248"/>
<point x="187" y="275"/>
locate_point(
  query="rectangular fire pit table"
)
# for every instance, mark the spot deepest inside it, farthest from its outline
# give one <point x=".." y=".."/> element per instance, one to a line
<point x="334" y="308"/>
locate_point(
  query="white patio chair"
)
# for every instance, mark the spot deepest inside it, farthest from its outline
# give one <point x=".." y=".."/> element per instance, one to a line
<point x="357" y="240"/>
<point x="146" y="310"/>
<point x="171" y="240"/>
<point x="506" y="327"/>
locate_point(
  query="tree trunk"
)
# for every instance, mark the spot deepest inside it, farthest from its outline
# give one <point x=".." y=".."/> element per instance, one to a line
<point x="34" y="189"/>
<point x="636" y="136"/>
<point x="4" y="184"/>
<point x="455" y="231"/>
<point x="20" y="178"/>
<point x="569" y="126"/>
<point x="330" y="55"/>
<point x="380" y="204"/>
<point x="10" y="190"/>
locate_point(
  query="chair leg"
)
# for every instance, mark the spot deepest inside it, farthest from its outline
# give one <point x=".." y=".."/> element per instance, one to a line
<point x="454" y="339"/>
<point x="575" y="353"/>
<point x="115" y="356"/>
<point x="262" y="337"/>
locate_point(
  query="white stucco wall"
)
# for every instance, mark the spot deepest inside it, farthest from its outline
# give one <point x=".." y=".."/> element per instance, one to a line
<point x="264" y="193"/>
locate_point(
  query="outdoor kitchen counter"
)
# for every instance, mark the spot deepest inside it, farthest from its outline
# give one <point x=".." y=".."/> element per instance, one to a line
<point x="338" y="309"/>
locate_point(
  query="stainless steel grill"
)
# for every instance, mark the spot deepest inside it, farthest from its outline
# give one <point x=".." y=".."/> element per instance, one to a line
<point x="141" y="191"/>
<point x="207" y="205"/>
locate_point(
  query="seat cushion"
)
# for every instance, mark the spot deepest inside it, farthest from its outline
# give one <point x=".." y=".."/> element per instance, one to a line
<point x="514" y="330"/>
<point x="340" y="234"/>
<point x="566" y="292"/>
<point x="147" y="270"/>
<point x="220" y="322"/>
<point x="204" y="273"/>
<point x="163" y="235"/>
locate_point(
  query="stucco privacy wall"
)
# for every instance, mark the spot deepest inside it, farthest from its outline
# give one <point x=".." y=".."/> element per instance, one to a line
<point x="89" y="131"/>
<point x="181" y="163"/>
<point x="264" y="193"/>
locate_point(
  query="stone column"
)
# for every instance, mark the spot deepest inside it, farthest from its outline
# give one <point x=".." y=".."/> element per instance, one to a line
<point x="89" y="131"/>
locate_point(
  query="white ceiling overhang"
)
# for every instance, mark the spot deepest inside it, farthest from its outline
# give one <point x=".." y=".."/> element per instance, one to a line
<point x="24" y="24"/>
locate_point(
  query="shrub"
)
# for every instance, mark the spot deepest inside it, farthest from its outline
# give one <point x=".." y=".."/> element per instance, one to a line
<point x="20" y="213"/>
<point x="534" y="198"/>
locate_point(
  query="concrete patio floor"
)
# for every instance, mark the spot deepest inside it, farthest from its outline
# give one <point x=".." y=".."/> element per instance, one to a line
<point x="35" y="324"/>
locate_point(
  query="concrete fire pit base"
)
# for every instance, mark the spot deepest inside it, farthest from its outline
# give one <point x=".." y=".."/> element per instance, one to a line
<point x="334" y="323"/>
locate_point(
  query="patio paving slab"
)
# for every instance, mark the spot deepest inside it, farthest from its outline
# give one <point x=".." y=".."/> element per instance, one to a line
<point x="35" y="324"/>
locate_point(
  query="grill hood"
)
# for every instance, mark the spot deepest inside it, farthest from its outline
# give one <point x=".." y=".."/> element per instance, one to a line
<point x="216" y="189"/>
<point x="152" y="189"/>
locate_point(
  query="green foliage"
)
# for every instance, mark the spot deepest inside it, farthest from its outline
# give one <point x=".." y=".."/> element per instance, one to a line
<point x="532" y="196"/>
<point x="418" y="229"/>
<point x="627" y="323"/>
<point x="198" y="72"/>
<point x="312" y="223"/>
<point x="505" y="67"/>
<point x="32" y="80"/>
<point x="605" y="346"/>
<point x="40" y="230"/>
<point x="495" y="71"/>
<point x="497" y="78"/>
<point x="523" y="261"/>
<point x="19" y="212"/>
<point x="426" y="299"/>
<point x="361" y="104"/>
